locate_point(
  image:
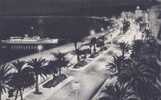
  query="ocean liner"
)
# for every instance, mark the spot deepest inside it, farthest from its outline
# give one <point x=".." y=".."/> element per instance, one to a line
<point x="15" y="47"/>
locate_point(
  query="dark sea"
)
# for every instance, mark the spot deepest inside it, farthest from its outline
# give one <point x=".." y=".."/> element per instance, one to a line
<point x="46" y="27"/>
<point x="53" y="27"/>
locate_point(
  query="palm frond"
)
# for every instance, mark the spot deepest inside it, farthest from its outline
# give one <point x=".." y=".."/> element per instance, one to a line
<point x="4" y="77"/>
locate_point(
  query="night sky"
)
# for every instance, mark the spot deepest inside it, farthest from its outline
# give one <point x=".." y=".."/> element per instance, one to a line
<point x="65" y="7"/>
<point x="16" y="16"/>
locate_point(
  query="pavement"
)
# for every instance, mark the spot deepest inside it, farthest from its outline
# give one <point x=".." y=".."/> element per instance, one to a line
<point x="90" y="79"/>
<point x="28" y="93"/>
<point x="132" y="34"/>
<point x="47" y="53"/>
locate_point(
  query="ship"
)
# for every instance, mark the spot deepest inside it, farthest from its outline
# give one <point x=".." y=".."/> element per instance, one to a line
<point x="16" y="46"/>
<point x="28" y="42"/>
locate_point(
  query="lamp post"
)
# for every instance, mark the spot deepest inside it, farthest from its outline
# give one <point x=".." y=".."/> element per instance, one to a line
<point x="39" y="48"/>
<point x="92" y="32"/>
<point x="76" y="88"/>
<point x="111" y="39"/>
<point x="32" y="29"/>
<point x="102" y="29"/>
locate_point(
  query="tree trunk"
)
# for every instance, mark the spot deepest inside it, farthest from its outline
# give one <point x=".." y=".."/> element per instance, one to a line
<point x="78" y="57"/>
<point x="90" y="48"/>
<point x="76" y="49"/>
<point x="16" y="94"/>
<point x="94" y="48"/>
<point x="0" y="95"/>
<point x="75" y="45"/>
<point x="59" y="70"/>
<point x="123" y="52"/>
<point x="21" y="94"/>
<point x="53" y="75"/>
<point x="37" y="84"/>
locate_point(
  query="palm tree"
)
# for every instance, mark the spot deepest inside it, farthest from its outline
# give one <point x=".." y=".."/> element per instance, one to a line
<point x="5" y="76"/>
<point x="60" y="61"/>
<point x="22" y="77"/>
<point x="117" y="64"/>
<point x="151" y="47"/>
<point x="52" y="68"/>
<point x="93" y="43"/>
<point x="137" y="49"/>
<point x="101" y="42"/>
<point x="124" y="47"/>
<point x="126" y="25"/>
<point x="118" y="92"/>
<point x="87" y="50"/>
<point x="76" y="49"/>
<point x="148" y="34"/>
<point x="75" y="38"/>
<point x="144" y="49"/>
<point x="38" y="67"/>
<point x="142" y="77"/>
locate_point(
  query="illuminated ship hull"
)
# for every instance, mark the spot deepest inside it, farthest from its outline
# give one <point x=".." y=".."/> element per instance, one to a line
<point x="19" y="47"/>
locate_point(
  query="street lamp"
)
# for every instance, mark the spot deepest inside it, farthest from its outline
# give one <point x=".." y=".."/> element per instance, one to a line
<point x="32" y="30"/>
<point x="111" y="39"/>
<point x="76" y="88"/>
<point x="39" y="48"/>
<point x="92" y="32"/>
<point x="102" y="29"/>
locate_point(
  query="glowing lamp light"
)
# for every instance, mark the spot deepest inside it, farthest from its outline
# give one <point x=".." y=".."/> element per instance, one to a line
<point x="92" y="32"/>
<point x="39" y="47"/>
<point x="102" y="29"/>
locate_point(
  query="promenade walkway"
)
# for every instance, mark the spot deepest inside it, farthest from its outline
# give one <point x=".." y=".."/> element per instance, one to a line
<point x="90" y="78"/>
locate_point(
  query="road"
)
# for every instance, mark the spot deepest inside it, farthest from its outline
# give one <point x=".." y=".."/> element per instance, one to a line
<point x="47" y="53"/>
<point x="94" y="75"/>
<point x="89" y="79"/>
